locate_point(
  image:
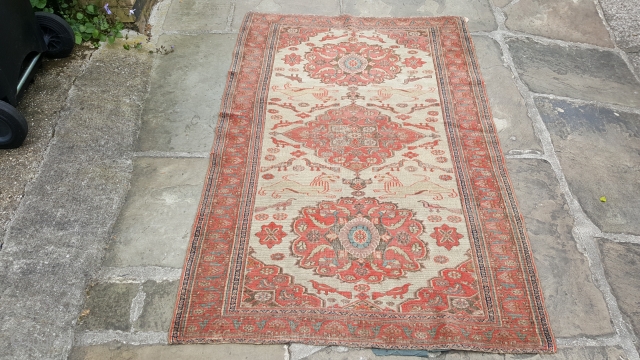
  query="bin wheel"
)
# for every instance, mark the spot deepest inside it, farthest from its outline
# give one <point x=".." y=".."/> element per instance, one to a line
<point x="58" y="35"/>
<point x="13" y="127"/>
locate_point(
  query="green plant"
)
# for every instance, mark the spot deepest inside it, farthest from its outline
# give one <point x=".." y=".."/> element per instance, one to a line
<point x="41" y="5"/>
<point x="89" y="22"/>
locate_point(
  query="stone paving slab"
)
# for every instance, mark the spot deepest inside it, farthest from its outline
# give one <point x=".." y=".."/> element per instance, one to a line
<point x="155" y="223"/>
<point x="107" y="307"/>
<point x="599" y="151"/>
<point x="202" y="15"/>
<point x="568" y="20"/>
<point x="622" y="266"/>
<point x="588" y="74"/>
<point x="159" y="302"/>
<point x="315" y="7"/>
<point x="591" y="353"/>
<point x="478" y="12"/>
<point x="514" y="126"/>
<point x="186" y="87"/>
<point x="575" y="305"/>
<point x="178" y="352"/>
<point x="501" y="3"/>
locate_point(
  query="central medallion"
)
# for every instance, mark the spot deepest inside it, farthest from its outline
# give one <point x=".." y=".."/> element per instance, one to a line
<point x="358" y="240"/>
<point x="352" y="63"/>
<point x="353" y="136"/>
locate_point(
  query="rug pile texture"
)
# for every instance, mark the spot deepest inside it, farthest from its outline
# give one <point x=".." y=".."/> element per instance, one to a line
<point x="357" y="195"/>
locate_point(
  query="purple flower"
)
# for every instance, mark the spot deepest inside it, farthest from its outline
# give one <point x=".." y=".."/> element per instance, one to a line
<point x="106" y="8"/>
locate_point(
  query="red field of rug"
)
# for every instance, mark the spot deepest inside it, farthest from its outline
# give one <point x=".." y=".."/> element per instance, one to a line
<point x="357" y="195"/>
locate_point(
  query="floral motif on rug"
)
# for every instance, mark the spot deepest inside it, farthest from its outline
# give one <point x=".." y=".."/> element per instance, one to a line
<point x="357" y="195"/>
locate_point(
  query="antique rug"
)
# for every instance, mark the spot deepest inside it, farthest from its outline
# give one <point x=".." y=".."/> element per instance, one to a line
<point x="357" y="195"/>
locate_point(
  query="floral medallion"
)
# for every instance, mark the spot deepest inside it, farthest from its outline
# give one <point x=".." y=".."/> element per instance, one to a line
<point x="354" y="137"/>
<point x="352" y="63"/>
<point x="359" y="240"/>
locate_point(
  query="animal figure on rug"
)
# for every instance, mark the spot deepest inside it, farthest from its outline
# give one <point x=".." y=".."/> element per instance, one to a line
<point x="427" y="145"/>
<point x="437" y="208"/>
<point x="393" y="187"/>
<point x="386" y="92"/>
<point x="278" y="206"/>
<point x="319" y="92"/>
<point x="282" y="143"/>
<point x="395" y="292"/>
<point x="326" y="289"/>
<point x="320" y="185"/>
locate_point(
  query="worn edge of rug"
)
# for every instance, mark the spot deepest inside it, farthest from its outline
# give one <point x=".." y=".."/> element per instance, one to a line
<point x="196" y="236"/>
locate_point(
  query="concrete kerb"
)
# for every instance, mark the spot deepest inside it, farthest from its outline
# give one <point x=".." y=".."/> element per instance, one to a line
<point x="45" y="154"/>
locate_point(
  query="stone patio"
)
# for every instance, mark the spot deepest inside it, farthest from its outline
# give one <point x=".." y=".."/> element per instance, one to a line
<point x="95" y="234"/>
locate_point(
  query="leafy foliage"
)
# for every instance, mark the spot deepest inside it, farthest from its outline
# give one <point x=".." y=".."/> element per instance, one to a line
<point x="89" y="22"/>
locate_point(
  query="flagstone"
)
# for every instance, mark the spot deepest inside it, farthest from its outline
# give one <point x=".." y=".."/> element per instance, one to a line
<point x="478" y="12"/>
<point x="316" y="7"/>
<point x="107" y="307"/>
<point x="154" y="225"/>
<point x="568" y="20"/>
<point x="576" y="307"/>
<point x="185" y="89"/>
<point x="176" y="352"/>
<point x="502" y="3"/>
<point x="512" y="121"/>
<point x="621" y="265"/>
<point x="576" y="72"/>
<point x="203" y="15"/>
<point x="577" y="353"/>
<point x="159" y="301"/>
<point x="599" y="151"/>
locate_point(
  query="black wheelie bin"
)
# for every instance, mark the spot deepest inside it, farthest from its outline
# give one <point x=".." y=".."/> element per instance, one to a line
<point x="24" y="37"/>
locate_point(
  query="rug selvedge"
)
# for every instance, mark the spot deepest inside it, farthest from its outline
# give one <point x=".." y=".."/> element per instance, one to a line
<point x="357" y="196"/>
